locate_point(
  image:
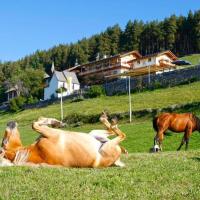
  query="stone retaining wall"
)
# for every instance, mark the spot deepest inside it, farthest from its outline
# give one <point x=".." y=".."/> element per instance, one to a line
<point x="165" y="79"/>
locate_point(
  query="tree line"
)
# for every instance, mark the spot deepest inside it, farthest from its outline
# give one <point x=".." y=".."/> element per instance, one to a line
<point x="180" y="34"/>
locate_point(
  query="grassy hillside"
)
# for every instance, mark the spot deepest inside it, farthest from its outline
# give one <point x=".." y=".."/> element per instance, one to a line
<point x="139" y="134"/>
<point x="115" y="104"/>
<point x="146" y="176"/>
<point x="194" y="58"/>
<point x="166" y="175"/>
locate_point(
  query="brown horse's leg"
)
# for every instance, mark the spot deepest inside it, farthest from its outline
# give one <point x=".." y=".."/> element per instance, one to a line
<point x="159" y="138"/>
<point x="182" y="143"/>
<point x="187" y="142"/>
<point x="186" y="137"/>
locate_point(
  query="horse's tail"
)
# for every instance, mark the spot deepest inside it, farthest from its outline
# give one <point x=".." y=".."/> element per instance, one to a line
<point x="155" y="123"/>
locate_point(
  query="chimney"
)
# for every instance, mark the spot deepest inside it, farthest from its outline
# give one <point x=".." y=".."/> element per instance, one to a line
<point x="52" y="68"/>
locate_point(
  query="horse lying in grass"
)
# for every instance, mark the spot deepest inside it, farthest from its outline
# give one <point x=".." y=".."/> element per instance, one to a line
<point x="186" y="123"/>
<point x="57" y="147"/>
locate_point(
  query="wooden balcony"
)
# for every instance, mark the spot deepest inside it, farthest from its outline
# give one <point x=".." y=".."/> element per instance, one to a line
<point x="98" y="69"/>
<point x="164" y="63"/>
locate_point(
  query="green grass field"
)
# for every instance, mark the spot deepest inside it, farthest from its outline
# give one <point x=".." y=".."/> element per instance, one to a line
<point x="159" y="98"/>
<point x="146" y="176"/>
<point x="166" y="175"/>
<point x="194" y="59"/>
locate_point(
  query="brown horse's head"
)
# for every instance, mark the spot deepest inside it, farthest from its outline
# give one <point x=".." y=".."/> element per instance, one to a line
<point x="11" y="139"/>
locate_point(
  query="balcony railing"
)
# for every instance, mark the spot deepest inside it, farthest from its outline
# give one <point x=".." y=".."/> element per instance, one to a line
<point x="166" y="63"/>
<point x="103" y="67"/>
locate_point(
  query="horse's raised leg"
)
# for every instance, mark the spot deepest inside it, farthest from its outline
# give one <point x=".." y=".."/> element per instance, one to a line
<point x="111" y="151"/>
<point x="41" y="127"/>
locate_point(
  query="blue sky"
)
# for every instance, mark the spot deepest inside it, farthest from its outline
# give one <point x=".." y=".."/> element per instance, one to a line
<point x="28" y="25"/>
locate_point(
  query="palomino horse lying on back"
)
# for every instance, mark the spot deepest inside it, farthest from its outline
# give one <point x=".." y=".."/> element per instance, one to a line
<point x="65" y="148"/>
<point x="186" y="123"/>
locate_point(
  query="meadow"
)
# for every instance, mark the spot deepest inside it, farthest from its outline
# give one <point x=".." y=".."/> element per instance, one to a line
<point x="166" y="175"/>
<point x="155" y="99"/>
<point x="194" y="59"/>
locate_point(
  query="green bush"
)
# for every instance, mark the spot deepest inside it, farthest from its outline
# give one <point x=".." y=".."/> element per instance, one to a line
<point x="61" y="90"/>
<point x="157" y="85"/>
<point x="77" y="99"/>
<point x="2" y="94"/>
<point x="17" y="103"/>
<point x="96" y="91"/>
<point x="77" y="119"/>
<point x="31" y="100"/>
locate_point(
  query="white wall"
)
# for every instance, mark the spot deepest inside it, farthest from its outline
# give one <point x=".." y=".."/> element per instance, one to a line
<point x="144" y="62"/>
<point x="54" y="84"/>
<point x="162" y="57"/>
<point x="76" y="87"/>
<point x="51" y="90"/>
<point x="127" y="58"/>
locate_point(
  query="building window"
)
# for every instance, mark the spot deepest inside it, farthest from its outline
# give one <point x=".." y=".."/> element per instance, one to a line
<point x="149" y="59"/>
<point x="138" y="61"/>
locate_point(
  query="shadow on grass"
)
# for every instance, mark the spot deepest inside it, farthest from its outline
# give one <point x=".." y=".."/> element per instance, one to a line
<point x="196" y="159"/>
<point x="168" y="133"/>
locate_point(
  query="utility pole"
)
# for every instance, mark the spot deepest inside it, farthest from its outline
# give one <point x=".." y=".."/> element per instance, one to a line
<point x="149" y="76"/>
<point x="129" y="94"/>
<point x="61" y="105"/>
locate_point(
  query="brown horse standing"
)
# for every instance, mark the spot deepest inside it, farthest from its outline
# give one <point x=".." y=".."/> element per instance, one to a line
<point x="186" y="123"/>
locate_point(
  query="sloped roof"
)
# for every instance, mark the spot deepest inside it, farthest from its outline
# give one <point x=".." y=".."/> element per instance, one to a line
<point x="15" y="88"/>
<point x="167" y="52"/>
<point x="46" y="75"/>
<point x="136" y="53"/>
<point x="62" y="76"/>
<point x="68" y="74"/>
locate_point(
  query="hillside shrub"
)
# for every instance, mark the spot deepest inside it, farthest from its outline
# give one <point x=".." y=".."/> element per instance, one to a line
<point x="157" y="85"/>
<point x="96" y="91"/>
<point x="139" y="85"/>
<point x="77" y="119"/>
<point x="2" y="94"/>
<point x="77" y="99"/>
<point x="31" y="100"/>
<point x="61" y="90"/>
<point x="17" y="103"/>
